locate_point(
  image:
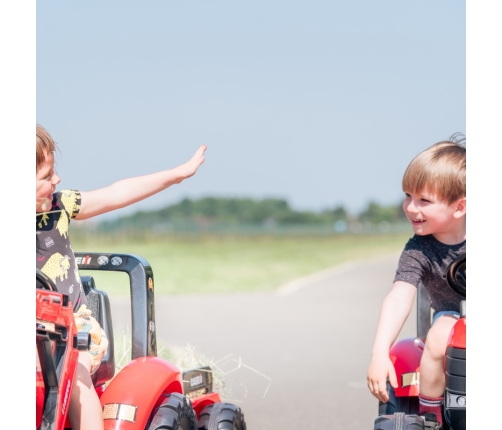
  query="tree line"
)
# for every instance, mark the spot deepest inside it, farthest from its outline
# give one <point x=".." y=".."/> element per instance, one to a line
<point x="247" y="211"/>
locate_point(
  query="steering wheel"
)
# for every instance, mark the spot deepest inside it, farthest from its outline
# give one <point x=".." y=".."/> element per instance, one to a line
<point x="455" y="275"/>
<point x="44" y="282"/>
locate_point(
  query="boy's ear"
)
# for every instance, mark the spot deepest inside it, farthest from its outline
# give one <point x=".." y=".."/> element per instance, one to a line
<point x="460" y="209"/>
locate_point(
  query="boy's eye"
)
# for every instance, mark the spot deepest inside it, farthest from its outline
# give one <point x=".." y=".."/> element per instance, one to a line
<point x="425" y="200"/>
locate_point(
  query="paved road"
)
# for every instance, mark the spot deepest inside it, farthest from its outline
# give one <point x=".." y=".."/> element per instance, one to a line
<point x="311" y="340"/>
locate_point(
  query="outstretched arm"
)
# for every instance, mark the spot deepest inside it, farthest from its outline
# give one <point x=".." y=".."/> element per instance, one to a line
<point x="395" y="310"/>
<point x="128" y="191"/>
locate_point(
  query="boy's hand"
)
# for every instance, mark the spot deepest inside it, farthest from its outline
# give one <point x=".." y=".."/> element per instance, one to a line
<point x="189" y="168"/>
<point x="381" y="369"/>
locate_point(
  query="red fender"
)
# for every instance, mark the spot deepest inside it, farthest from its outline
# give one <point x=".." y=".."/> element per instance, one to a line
<point x="457" y="337"/>
<point x="133" y="393"/>
<point x="200" y="402"/>
<point x="406" y="355"/>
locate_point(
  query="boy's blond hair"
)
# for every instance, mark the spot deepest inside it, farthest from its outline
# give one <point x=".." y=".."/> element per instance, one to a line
<point x="440" y="170"/>
<point x="45" y="145"/>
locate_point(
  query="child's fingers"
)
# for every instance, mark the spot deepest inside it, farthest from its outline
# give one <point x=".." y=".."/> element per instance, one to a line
<point x="374" y="387"/>
<point x="393" y="377"/>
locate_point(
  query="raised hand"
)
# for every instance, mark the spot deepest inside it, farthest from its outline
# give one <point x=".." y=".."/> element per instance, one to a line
<point x="189" y="168"/>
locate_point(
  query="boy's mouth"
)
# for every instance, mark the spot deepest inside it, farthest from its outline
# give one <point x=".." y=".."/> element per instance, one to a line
<point x="417" y="221"/>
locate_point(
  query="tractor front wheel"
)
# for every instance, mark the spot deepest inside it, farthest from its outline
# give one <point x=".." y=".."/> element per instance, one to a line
<point x="222" y="416"/>
<point x="174" y="413"/>
<point x="408" y="405"/>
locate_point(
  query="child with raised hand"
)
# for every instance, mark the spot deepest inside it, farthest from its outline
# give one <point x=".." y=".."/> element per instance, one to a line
<point x="55" y="257"/>
<point x="435" y="204"/>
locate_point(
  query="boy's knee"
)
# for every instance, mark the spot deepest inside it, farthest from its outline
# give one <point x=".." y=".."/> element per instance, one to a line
<point x="437" y="337"/>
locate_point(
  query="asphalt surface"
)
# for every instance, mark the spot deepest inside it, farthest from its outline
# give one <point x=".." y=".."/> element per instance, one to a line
<point x="295" y="358"/>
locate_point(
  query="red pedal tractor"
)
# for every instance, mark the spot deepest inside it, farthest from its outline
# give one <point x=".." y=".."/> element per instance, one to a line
<point x="401" y="410"/>
<point x="149" y="393"/>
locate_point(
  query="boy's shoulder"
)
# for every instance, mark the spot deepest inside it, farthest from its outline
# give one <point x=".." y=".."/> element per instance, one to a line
<point x="69" y="200"/>
<point x="428" y="246"/>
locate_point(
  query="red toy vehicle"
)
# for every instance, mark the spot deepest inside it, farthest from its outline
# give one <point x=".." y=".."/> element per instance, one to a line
<point x="149" y="393"/>
<point x="401" y="410"/>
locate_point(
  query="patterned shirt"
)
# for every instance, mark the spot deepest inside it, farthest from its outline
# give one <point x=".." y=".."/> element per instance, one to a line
<point x="54" y="253"/>
<point x="425" y="259"/>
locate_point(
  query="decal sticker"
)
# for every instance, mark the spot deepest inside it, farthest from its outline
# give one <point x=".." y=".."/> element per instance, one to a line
<point x="150" y="283"/>
<point x="119" y="411"/>
<point x="102" y="260"/>
<point x="196" y="380"/>
<point x="67" y="392"/>
<point x="83" y="260"/>
<point x="116" y="261"/>
<point x="411" y="378"/>
<point x="196" y="393"/>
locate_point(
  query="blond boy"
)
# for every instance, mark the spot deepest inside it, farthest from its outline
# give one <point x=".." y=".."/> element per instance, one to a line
<point x="435" y="204"/>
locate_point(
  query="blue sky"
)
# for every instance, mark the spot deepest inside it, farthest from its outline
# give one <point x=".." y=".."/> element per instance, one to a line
<point x="320" y="102"/>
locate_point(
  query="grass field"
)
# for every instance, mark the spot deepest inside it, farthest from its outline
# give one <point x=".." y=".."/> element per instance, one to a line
<point x="214" y="264"/>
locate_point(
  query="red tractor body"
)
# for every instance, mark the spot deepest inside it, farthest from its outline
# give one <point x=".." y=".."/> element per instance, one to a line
<point x="149" y="392"/>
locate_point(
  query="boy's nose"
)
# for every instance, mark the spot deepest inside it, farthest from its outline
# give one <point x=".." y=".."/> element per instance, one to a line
<point x="56" y="179"/>
<point x="411" y="207"/>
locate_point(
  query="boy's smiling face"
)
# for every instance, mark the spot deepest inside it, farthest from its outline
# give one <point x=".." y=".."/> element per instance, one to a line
<point x="430" y="215"/>
<point x="46" y="181"/>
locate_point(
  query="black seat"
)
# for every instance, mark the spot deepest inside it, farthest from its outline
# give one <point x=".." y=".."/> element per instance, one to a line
<point x="424" y="312"/>
<point x="99" y="304"/>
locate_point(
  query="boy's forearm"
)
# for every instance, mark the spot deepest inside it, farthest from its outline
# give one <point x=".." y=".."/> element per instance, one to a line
<point x="395" y="310"/>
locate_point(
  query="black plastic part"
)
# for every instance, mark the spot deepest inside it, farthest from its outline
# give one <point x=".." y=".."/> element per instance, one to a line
<point x="456" y="418"/>
<point x="456" y="367"/>
<point x="51" y="349"/>
<point x="455" y="393"/>
<point x="220" y="416"/>
<point x="198" y="380"/>
<point x="456" y="353"/>
<point x="142" y="295"/>
<point x="82" y="341"/>
<point x="424" y="319"/>
<point x="175" y="413"/>
<point x="44" y="282"/>
<point x="99" y="303"/>
<point x="456" y="275"/>
<point x="408" y="405"/>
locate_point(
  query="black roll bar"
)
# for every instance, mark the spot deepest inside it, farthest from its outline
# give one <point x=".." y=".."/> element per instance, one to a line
<point x="140" y="273"/>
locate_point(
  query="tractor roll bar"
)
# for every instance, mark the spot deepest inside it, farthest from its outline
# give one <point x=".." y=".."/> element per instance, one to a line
<point x="142" y="299"/>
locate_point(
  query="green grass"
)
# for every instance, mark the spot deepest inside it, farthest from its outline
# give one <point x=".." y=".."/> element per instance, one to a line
<point x="211" y="264"/>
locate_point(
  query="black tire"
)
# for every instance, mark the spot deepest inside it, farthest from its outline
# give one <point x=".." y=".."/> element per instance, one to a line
<point x="399" y="421"/>
<point x="408" y="405"/>
<point x="222" y="416"/>
<point x="175" y="413"/>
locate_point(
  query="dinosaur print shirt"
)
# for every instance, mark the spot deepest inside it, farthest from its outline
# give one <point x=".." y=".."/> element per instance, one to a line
<point x="54" y="253"/>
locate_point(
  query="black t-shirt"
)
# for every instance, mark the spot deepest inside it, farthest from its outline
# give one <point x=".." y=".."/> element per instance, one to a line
<point x="425" y="259"/>
<point x="54" y="253"/>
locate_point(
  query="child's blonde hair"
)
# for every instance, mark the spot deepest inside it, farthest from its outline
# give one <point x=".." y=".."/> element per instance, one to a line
<point x="440" y="170"/>
<point x="45" y="145"/>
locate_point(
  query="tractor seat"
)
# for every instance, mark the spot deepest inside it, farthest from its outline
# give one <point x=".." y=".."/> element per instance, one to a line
<point x="99" y="304"/>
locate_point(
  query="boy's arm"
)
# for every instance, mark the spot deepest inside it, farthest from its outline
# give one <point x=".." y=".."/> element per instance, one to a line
<point x="128" y="191"/>
<point x="395" y="310"/>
